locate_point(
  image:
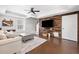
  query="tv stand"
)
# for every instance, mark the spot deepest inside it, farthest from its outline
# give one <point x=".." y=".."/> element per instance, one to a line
<point x="47" y="33"/>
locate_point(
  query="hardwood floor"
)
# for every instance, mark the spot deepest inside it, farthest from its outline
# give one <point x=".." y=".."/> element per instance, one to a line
<point x="57" y="46"/>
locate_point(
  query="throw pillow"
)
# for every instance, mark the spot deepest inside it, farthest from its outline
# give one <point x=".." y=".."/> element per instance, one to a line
<point x="1" y="31"/>
<point x="11" y="34"/>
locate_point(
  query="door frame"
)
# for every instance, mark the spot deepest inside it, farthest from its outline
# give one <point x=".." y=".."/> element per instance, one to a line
<point x="76" y="12"/>
<point x="66" y="27"/>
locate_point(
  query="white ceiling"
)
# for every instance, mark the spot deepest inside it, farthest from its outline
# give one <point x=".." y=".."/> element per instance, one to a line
<point x="45" y="10"/>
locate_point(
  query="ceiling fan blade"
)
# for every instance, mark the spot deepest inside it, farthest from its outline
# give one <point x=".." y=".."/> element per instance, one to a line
<point x="32" y="9"/>
<point x="36" y="11"/>
<point x="33" y="12"/>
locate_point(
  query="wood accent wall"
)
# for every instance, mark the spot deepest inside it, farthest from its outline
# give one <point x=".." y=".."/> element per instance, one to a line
<point x="57" y="24"/>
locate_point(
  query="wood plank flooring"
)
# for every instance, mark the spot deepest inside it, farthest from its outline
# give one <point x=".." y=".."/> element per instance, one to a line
<point x="56" y="46"/>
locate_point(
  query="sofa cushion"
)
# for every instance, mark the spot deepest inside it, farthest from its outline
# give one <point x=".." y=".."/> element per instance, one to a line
<point x="10" y="40"/>
<point x="1" y="32"/>
<point x="2" y="36"/>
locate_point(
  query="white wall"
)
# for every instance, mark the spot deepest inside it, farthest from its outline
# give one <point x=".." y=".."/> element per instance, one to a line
<point x="31" y="25"/>
<point x="69" y="27"/>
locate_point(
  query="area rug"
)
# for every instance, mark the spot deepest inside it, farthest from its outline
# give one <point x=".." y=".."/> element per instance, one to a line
<point x="31" y="44"/>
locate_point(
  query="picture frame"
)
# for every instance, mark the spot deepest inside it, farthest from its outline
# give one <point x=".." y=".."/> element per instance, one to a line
<point x="7" y="22"/>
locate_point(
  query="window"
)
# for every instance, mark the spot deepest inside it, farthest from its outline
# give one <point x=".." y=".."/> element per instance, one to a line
<point x="19" y="24"/>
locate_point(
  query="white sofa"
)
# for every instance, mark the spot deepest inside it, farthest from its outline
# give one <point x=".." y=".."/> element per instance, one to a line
<point x="11" y="45"/>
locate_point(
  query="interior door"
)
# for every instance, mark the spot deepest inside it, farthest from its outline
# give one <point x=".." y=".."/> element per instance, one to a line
<point x="69" y="27"/>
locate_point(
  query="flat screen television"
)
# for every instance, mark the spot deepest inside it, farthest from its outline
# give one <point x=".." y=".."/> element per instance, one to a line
<point x="48" y="23"/>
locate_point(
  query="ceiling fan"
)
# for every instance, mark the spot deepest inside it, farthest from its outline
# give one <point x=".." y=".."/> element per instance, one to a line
<point x="33" y="11"/>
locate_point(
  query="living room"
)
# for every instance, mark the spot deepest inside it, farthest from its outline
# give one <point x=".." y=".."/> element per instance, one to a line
<point x="39" y="29"/>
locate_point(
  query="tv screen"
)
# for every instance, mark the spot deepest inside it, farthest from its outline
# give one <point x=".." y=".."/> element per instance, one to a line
<point x="48" y="23"/>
